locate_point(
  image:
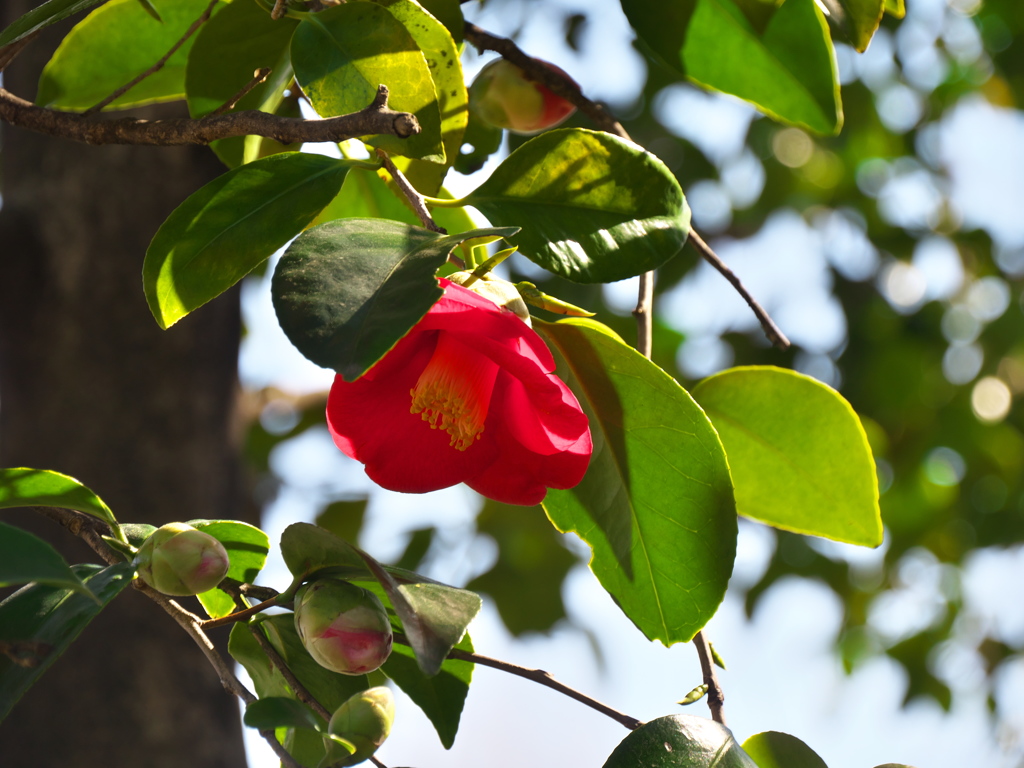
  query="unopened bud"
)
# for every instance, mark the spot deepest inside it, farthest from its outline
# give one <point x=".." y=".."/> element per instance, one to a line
<point x="365" y="722"/>
<point x="179" y="560"/>
<point x="344" y="627"/>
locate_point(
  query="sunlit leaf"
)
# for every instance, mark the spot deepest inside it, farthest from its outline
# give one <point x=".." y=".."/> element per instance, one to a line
<point x="593" y="208"/>
<point x="25" y="558"/>
<point x="656" y="504"/>
<point x="247" y="547"/>
<point x="856" y="20"/>
<point x="772" y="749"/>
<point x="797" y="451"/>
<point x="23" y="487"/>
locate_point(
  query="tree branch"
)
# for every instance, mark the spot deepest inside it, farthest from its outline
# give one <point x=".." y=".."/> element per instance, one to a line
<point x="419" y="207"/>
<point x="374" y="119"/>
<point x="203" y="18"/>
<point x="716" y="697"/>
<point x="259" y="76"/>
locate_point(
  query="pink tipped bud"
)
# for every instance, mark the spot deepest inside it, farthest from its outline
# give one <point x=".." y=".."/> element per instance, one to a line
<point x="503" y="96"/>
<point x="344" y="627"/>
<point x="365" y="722"/>
<point x="177" y="559"/>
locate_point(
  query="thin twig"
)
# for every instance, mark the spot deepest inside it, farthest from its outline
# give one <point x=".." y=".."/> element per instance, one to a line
<point x="542" y="677"/>
<point x="642" y="313"/>
<point x="203" y="18"/>
<point x="415" y="198"/>
<point x="259" y="76"/>
<point x="239" y="615"/>
<point x="771" y="330"/>
<point x="293" y="682"/>
<point x="280" y="8"/>
<point x="716" y="697"/>
<point x="374" y="119"/>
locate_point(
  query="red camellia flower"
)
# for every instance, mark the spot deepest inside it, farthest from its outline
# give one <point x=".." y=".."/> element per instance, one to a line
<point x="467" y="396"/>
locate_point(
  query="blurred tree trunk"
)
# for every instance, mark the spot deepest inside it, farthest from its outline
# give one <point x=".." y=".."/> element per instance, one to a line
<point x="90" y="386"/>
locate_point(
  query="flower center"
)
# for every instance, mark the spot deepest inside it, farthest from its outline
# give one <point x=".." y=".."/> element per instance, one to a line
<point x="454" y="391"/>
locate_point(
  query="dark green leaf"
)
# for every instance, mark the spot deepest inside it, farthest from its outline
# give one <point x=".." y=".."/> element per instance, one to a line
<point x="594" y="208"/>
<point x="343" y="518"/>
<point x="247" y="547"/>
<point x="483" y="141"/>
<point x="449" y="13"/>
<point x="679" y="741"/>
<point x="266" y="678"/>
<point x="227" y="50"/>
<point x="25" y="558"/>
<point x="855" y="20"/>
<point x="113" y="45"/>
<point x="43" y="16"/>
<point x="38" y="623"/>
<point x="526" y="580"/>
<point x="280" y="712"/>
<point x="136" y="533"/>
<point x="442" y="696"/>
<point x="23" y="487"/>
<point x="347" y="291"/>
<point x="656" y="504"/>
<point x="342" y="54"/>
<point x="799" y="457"/>
<point x="232" y="225"/>
<point x="772" y="749"/>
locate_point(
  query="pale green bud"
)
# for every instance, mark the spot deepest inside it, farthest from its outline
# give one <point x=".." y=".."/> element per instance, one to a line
<point x="365" y="722"/>
<point x="179" y="560"/>
<point x="345" y="628"/>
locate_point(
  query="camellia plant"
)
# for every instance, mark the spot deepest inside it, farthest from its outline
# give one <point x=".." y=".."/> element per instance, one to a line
<point x="445" y="373"/>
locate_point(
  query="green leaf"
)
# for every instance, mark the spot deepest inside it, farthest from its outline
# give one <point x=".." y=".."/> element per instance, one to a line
<point x="449" y="13"/>
<point x="149" y="8"/>
<point x="526" y="580"/>
<point x="227" y="50"/>
<point x="855" y="20"/>
<point x="896" y="8"/>
<point x="799" y="456"/>
<point x="266" y="678"/>
<point x="434" y="616"/>
<point x="695" y="695"/>
<point x="679" y="741"/>
<point x="480" y="141"/>
<point x="281" y="712"/>
<point x="38" y="623"/>
<point x="441" y="697"/>
<point x="788" y="71"/>
<point x="247" y="547"/>
<point x="25" y="558"/>
<point x="656" y="504"/>
<point x="43" y="16"/>
<point x="593" y="208"/>
<point x="114" y="44"/>
<point x="442" y="57"/>
<point x="347" y="291"/>
<point x="772" y="749"/>
<point x="342" y="54"/>
<point x="232" y="225"/>
<point x="23" y="487"/>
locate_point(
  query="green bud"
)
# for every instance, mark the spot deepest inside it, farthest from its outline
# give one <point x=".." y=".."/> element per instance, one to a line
<point x="345" y="628"/>
<point x="501" y="292"/>
<point x="364" y="721"/>
<point x="179" y="560"/>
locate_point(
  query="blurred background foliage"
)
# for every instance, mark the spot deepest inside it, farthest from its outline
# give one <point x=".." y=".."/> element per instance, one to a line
<point x="899" y="285"/>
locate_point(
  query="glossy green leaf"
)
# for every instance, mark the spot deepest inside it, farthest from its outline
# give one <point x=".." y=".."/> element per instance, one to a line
<point x="656" y="504"/>
<point x="114" y="44"/>
<point x="280" y="712"/>
<point x="247" y="547"/>
<point x="594" y="208"/>
<point x="442" y="57"/>
<point x="679" y="741"/>
<point x="441" y="697"/>
<point x="434" y="616"/>
<point x="772" y="749"/>
<point x="342" y="54"/>
<point x="149" y="8"/>
<point x="788" y="71"/>
<point x="232" y="225"/>
<point x="799" y="456"/>
<point x="43" y="16"/>
<point x="449" y="13"/>
<point x="531" y="561"/>
<point x="25" y="558"/>
<point x="227" y="50"/>
<point x="347" y="291"/>
<point x="896" y="8"/>
<point x="855" y="20"/>
<point x="23" y="487"/>
<point x="267" y="679"/>
<point x="39" y="622"/>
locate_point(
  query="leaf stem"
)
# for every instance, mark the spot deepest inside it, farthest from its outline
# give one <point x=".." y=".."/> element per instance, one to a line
<point x="716" y="697"/>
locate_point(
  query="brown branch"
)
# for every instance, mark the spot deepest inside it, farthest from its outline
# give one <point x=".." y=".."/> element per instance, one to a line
<point x="643" y="314"/>
<point x="203" y="18"/>
<point x="771" y="330"/>
<point x="419" y="207"/>
<point x="374" y="119"/>
<point x="542" y="677"/>
<point x="716" y="697"/>
<point x="238" y="615"/>
<point x="259" y="76"/>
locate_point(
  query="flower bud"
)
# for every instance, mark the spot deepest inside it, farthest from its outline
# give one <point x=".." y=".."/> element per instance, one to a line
<point x="344" y="627"/>
<point x="365" y="722"/>
<point x="503" y="96"/>
<point x="177" y="559"/>
<point x="501" y="292"/>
